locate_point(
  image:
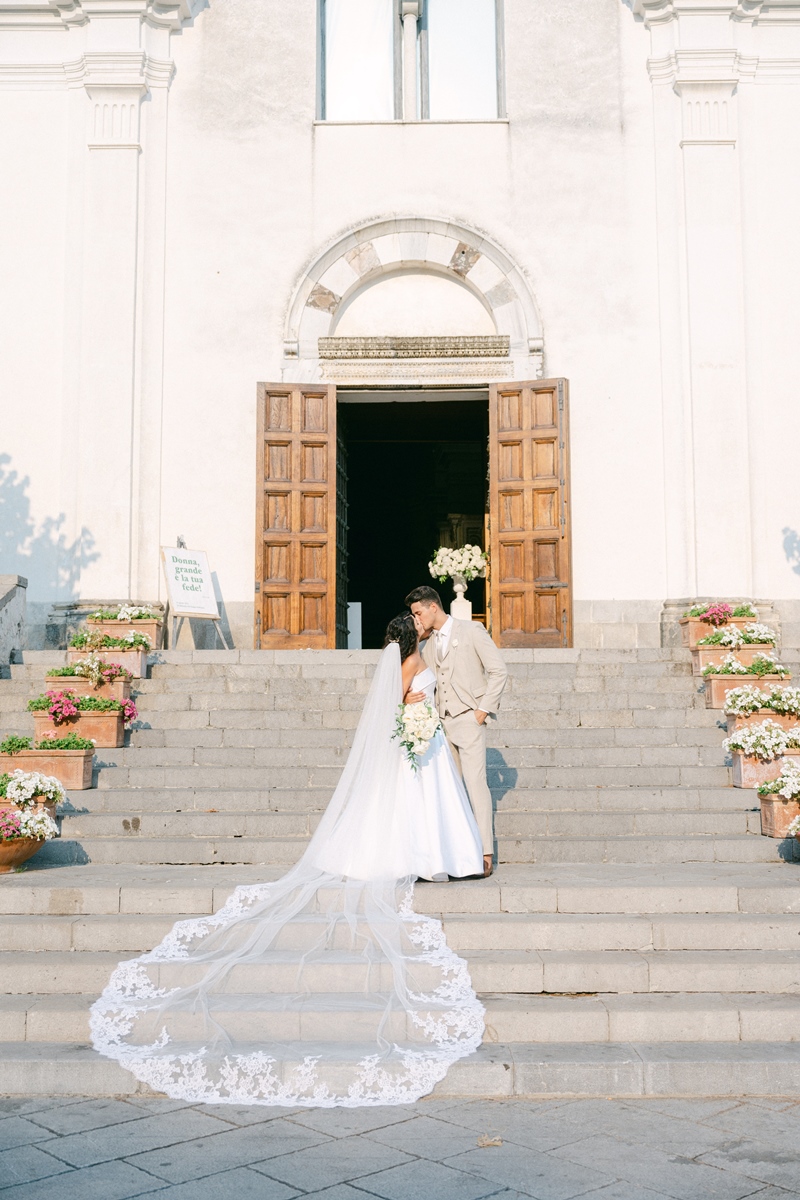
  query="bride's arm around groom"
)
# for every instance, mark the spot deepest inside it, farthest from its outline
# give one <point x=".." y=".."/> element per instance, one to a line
<point x="470" y="678"/>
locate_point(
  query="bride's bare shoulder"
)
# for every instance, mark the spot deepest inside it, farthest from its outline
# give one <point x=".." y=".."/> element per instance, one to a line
<point x="411" y="667"/>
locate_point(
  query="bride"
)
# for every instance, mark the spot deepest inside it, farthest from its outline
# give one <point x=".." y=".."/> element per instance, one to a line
<point x="325" y="987"/>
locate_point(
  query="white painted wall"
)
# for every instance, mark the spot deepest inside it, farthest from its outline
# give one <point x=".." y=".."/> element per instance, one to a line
<point x="153" y="275"/>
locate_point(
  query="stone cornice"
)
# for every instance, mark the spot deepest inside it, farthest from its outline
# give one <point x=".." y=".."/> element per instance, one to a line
<point x="49" y="14"/>
<point x="762" y="12"/>
<point x="726" y="67"/>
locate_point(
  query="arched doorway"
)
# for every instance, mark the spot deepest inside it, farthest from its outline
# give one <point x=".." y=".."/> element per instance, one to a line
<point x="397" y="428"/>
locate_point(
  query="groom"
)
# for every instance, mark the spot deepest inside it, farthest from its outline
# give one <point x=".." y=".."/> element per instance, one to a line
<point x="470" y="677"/>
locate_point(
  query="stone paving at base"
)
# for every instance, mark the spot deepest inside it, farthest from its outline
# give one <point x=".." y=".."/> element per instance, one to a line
<point x="73" y="1149"/>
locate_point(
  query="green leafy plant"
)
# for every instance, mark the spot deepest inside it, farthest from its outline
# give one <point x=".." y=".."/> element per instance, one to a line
<point x="745" y="610"/>
<point x="69" y="741"/>
<point x="4" y="779"/>
<point x="62" y="671"/>
<point x="104" y="641"/>
<point x="13" y="745"/>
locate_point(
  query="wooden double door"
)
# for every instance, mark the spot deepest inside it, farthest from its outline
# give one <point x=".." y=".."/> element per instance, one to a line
<point x="301" y="517"/>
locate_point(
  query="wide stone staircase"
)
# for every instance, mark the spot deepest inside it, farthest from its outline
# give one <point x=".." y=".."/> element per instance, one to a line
<point x="639" y="936"/>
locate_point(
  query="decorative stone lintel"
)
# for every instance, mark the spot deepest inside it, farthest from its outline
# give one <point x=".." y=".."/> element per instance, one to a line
<point x="413" y="347"/>
<point x="417" y="370"/>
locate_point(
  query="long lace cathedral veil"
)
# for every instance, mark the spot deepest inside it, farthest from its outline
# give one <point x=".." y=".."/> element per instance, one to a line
<point x="324" y="988"/>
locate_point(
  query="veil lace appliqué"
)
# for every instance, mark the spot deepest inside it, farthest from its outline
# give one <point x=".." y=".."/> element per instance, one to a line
<point x="322" y="989"/>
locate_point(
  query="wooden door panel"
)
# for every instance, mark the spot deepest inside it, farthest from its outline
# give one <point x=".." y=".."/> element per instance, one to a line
<point x="529" y="525"/>
<point x="296" y="517"/>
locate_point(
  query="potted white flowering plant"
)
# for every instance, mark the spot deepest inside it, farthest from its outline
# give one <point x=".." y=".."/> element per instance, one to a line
<point x="461" y="565"/>
<point x="701" y="619"/>
<point x="27" y="810"/>
<point x="748" y="641"/>
<point x="748" y="704"/>
<point x="129" y="650"/>
<point x="721" y="678"/>
<point x="780" y="803"/>
<point x="758" y="752"/>
<point x="93" y="676"/>
<point x="120" y="619"/>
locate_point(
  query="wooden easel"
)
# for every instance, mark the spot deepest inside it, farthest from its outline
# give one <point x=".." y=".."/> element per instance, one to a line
<point x="177" y="625"/>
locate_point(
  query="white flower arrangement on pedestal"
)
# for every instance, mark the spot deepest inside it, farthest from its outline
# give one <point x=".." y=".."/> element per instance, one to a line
<point x="466" y="562"/>
<point x="415" y="728"/>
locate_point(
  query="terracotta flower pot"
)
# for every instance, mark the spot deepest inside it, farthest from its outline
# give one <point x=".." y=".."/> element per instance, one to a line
<point x="718" y="686"/>
<point x="72" y="768"/>
<point x="763" y="714"/>
<point x="692" y="629"/>
<point x="749" y="772"/>
<point x="15" y="852"/>
<point x="49" y="806"/>
<point x="152" y="629"/>
<point x="105" y="729"/>
<point x="704" y="656"/>
<point x="120" y="689"/>
<point x="777" y="814"/>
<point x="134" y="660"/>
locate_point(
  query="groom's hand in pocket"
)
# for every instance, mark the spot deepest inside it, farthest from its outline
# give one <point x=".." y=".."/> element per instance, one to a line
<point x="480" y="716"/>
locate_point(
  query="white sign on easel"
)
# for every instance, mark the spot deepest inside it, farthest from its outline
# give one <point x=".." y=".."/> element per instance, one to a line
<point x="190" y="588"/>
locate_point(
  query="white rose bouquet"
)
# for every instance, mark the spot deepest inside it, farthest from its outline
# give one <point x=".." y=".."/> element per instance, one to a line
<point x="414" y="728"/>
<point x="468" y="561"/>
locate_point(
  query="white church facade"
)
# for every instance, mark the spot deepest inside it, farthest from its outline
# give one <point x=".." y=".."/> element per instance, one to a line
<point x="317" y="287"/>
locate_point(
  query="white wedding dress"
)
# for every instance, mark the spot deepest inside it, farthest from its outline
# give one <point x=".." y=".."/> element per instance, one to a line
<point x="324" y="988"/>
<point x="445" y="836"/>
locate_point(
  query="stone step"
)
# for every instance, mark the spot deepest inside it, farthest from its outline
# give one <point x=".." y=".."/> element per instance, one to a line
<point x="284" y="851"/>
<point x="177" y="823"/>
<point x="496" y="1071"/>
<point x="645" y="800"/>
<point x="194" y="775"/>
<point x="139" y="932"/>
<point x="572" y="888"/>
<point x="658" y="1017"/>
<point x="329" y="748"/>
<point x="517" y="758"/>
<point x="494" y="970"/>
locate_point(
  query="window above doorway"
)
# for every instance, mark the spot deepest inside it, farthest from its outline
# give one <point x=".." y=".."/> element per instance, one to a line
<point x="410" y="60"/>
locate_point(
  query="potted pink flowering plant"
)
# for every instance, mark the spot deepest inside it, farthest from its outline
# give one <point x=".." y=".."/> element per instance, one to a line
<point x="101" y="720"/>
<point x="701" y="619"/>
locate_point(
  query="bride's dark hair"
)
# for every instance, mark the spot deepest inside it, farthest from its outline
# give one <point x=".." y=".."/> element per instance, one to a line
<point x="401" y="630"/>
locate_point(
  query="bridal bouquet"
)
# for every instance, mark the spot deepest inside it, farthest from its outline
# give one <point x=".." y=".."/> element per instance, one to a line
<point x="414" y="728"/>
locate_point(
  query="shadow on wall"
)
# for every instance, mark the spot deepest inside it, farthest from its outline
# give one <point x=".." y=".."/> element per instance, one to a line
<point x="791" y="548"/>
<point x="51" y="564"/>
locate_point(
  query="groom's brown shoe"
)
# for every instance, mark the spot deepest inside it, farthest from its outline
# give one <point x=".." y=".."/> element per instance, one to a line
<point x="487" y="865"/>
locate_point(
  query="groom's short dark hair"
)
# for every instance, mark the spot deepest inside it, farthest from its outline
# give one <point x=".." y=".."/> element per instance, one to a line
<point x="424" y="595"/>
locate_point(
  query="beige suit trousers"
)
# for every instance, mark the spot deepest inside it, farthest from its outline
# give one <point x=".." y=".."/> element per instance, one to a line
<point x="467" y="741"/>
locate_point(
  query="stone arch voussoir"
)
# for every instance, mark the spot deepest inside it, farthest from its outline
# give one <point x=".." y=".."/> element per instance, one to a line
<point x="427" y="244"/>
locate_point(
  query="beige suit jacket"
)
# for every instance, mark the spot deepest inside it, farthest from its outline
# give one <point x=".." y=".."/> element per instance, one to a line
<point x="472" y="674"/>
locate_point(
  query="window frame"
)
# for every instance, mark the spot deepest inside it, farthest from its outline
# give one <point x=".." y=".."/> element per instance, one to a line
<point x="422" y="72"/>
